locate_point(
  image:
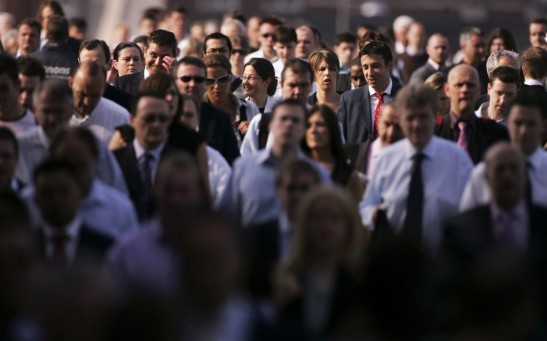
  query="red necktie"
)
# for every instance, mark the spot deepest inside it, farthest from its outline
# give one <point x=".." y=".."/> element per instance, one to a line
<point x="380" y="98"/>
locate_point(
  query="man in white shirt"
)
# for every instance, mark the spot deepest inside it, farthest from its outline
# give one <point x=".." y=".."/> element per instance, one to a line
<point x="284" y="39"/>
<point x="267" y="28"/>
<point x="418" y="181"/>
<point x="502" y="88"/>
<point x="91" y="110"/>
<point x="525" y="125"/>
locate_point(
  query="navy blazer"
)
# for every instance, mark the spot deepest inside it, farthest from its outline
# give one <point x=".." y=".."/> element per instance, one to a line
<point x="130" y="83"/>
<point x="355" y="115"/>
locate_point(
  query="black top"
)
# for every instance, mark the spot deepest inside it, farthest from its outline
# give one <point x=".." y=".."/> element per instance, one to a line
<point x="341" y="174"/>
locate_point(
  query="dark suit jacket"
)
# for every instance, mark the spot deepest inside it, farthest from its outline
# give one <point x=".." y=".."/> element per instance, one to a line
<point x="355" y="115"/>
<point x="91" y="243"/>
<point x="469" y="234"/>
<point x="216" y="128"/>
<point x="539" y="92"/>
<point x="482" y="134"/>
<point x="127" y="159"/>
<point x="423" y="72"/>
<point x="119" y="96"/>
<point x="344" y="83"/>
<point x="130" y="83"/>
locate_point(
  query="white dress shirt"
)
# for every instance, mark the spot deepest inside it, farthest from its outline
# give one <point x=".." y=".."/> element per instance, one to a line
<point x="477" y="192"/>
<point x="219" y="173"/>
<point x="72" y="230"/>
<point x="445" y="170"/>
<point x="24" y="123"/>
<point x="375" y="149"/>
<point x="374" y="100"/>
<point x="104" y="119"/>
<point x="156" y="153"/>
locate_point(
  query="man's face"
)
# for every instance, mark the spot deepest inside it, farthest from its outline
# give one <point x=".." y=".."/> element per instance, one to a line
<point x="437" y="49"/>
<point x="463" y="89"/>
<point x="28" y="38"/>
<point x="418" y="125"/>
<point x="506" y="177"/>
<point x="501" y="95"/>
<point x="266" y="37"/>
<point x="191" y="80"/>
<point x="58" y="197"/>
<point x="96" y="55"/>
<point x="389" y="130"/>
<point x="284" y="51"/>
<point x="525" y="128"/>
<point x="8" y="161"/>
<point x="473" y="50"/>
<point x="345" y="52"/>
<point x="179" y="190"/>
<point x="357" y="76"/>
<point x="537" y="34"/>
<point x="153" y="57"/>
<point x="150" y="122"/>
<point x="296" y="86"/>
<point x="74" y="151"/>
<point x="377" y="72"/>
<point x="291" y="190"/>
<point x="52" y="115"/>
<point x="27" y="84"/>
<point x="9" y="92"/>
<point x="288" y="125"/>
<point x="219" y="46"/>
<point x="305" y="42"/>
<point x="87" y="92"/>
<point x="177" y="22"/>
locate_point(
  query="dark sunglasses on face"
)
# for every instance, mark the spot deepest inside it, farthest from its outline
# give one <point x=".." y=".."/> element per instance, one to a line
<point x="155" y="117"/>
<point x="197" y="79"/>
<point x="220" y="80"/>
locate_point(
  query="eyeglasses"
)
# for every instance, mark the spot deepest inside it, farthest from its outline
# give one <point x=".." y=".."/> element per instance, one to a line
<point x="220" y="50"/>
<point x="220" y="80"/>
<point x="267" y="35"/>
<point x="239" y="51"/>
<point x="248" y="78"/>
<point x="155" y="117"/>
<point x="197" y="79"/>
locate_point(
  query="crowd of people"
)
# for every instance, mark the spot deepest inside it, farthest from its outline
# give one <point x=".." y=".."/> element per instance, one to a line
<point x="249" y="181"/>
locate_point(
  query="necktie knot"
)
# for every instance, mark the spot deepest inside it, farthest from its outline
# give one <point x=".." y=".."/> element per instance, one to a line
<point x="462" y="125"/>
<point x="462" y="136"/>
<point x="380" y="96"/>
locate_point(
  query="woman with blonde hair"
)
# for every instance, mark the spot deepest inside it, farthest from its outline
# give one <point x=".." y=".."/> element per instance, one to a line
<point x="326" y="66"/>
<point x="317" y="282"/>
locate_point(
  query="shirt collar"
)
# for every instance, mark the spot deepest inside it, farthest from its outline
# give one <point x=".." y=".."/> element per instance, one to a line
<point x="533" y="82"/>
<point x="285" y="226"/>
<point x="139" y="150"/>
<point x="518" y="212"/>
<point x="453" y="120"/>
<point x="146" y="73"/>
<point x="434" y="64"/>
<point x="387" y="90"/>
<point x="482" y="108"/>
<point x="72" y="229"/>
<point x="428" y="150"/>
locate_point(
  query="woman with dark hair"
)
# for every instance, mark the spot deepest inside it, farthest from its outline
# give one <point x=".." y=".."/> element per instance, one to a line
<point x="127" y="58"/>
<point x="259" y="84"/>
<point x="501" y="39"/>
<point x="219" y="94"/>
<point x="323" y="143"/>
<point x="326" y="66"/>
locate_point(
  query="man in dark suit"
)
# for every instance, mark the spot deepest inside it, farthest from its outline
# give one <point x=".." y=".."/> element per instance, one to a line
<point x="62" y="236"/>
<point x="159" y="56"/>
<point x="139" y="160"/>
<point x="437" y="51"/>
<point x="461" y="125"/>
<point x="214" y="125"/>
<point x="533" y="67"/>
<point x="97" y="51"/>
<point x="360" y="108"/>
<point x="271" y="241"/>
<point x="508" y="222"/>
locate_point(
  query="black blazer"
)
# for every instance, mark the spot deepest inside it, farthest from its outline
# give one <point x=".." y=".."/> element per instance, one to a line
<point x="119" y="96"/>
<point x="91" y="244"/>
<point x="471" y="233"/>
<point x="355" y="115"/>
<point x="129" y="83"/>
<point x="216" y="128"/>
<point x="485" y="134"/>
<point x="127" y="160"/>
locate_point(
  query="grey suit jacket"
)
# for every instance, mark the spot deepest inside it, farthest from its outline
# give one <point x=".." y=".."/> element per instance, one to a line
<point x="355" y="116"/>
<point x="423" y="72"/>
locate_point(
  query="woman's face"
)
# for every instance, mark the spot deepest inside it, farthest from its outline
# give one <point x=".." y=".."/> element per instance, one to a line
<point x="325" y="77"/>
<point x="317" y="133"/>
<point x="497" y="45"/>
<point x="218" y="83"/>
<point x="328" y="228"/>
<point x="129" y="61"/>
<point x="47" y="12"/>
<point x="172" y="98"/>
<point x="189" y="115"/>
<point x="253" y="85"/>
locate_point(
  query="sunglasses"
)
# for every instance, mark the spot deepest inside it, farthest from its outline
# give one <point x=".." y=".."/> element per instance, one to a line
<point x="197" y="79"/>
<point x="220" y="80"/>
<point x="239" y="51"/>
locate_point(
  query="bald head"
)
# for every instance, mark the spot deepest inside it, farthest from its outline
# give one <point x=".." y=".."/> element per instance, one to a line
<point x="87" y="87"/>
<point x="437" y="48"/>
<point x="462" y="88"/>
<point x="505" y="174"/>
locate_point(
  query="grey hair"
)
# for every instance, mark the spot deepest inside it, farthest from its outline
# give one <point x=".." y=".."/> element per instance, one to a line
<point x="468" y="32"/>
<point x="494" y="59"/>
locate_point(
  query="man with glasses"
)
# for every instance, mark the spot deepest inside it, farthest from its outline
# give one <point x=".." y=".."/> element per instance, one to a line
<point x="139" y="161"/>
<point x="267" y="29"/>
<point x="214" y="125"/>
